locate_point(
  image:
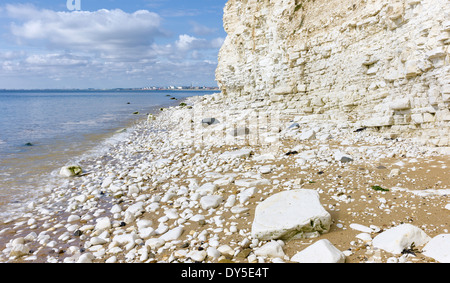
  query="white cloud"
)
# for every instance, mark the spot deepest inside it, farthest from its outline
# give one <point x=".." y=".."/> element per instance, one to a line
<point x="105" y="48"/>
<point x="11" y="55"/>
<point x="56" y="60"/>
<point x="108" y="31"/>
<point x="186" y="42"/>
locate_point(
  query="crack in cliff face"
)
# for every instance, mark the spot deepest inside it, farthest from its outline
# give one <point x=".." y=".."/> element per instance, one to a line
<point x="381" y="64"/>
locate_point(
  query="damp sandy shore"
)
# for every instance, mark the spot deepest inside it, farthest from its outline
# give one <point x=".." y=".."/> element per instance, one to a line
<point x="147" y="186"/>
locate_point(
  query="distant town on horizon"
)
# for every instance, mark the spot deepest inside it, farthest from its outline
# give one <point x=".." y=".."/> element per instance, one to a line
<point x="124" y="89"/>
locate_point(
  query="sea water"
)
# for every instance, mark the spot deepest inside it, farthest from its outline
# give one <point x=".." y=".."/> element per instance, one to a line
<point x="41" y="131"/>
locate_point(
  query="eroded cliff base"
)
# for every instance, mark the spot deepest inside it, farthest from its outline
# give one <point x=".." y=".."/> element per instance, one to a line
<point x="379" y="64"/>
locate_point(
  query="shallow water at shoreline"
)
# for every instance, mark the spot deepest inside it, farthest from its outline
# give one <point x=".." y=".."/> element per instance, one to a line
<point x="58" y="139"/>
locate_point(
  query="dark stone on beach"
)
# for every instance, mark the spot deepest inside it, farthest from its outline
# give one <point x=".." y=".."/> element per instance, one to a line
<point x="77" y="233"/>
<point x="291" y="152"/>
<point x="360" y="129"/>
<point x="184" y="245"/>
<point x="210" y="121"/>
<point x="346" y="159"/>
<point x="29" y="144"/>
<point x="295" y="125"/>
<point x="135" y="113"/>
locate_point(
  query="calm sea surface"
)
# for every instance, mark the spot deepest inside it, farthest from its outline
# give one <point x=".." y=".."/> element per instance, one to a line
<point x="41" y="131"/>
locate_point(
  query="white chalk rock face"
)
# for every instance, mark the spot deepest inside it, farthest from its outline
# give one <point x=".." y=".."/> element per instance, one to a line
<point x="271" y="54"/>
<point x="321" y="251"/>
<point x="438" y="248"/>
<point x="401" y="237"/>
<point x="290" y="214"/>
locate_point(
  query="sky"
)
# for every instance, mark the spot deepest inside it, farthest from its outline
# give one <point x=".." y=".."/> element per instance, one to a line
<point x="58" y="44"/>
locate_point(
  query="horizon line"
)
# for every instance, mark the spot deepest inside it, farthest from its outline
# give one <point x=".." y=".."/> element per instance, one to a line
<point x="118" y="88"/>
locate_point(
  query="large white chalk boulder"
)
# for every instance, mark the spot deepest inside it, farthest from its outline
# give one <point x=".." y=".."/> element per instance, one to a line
<point x="71" y="171"/>
<point x="438" y="248"/>
<point x="401" y="237"/>
<point x="321" y="251"/>
<point x="290" y="214"/>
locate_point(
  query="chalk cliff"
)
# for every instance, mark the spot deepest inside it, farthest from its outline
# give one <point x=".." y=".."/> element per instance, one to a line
<point x="379" y="64"/>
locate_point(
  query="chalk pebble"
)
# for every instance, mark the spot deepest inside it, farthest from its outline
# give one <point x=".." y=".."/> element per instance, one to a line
<point x="321" y="251"/>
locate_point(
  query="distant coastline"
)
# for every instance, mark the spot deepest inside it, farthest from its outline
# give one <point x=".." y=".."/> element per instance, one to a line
<point x="171" y="88"/>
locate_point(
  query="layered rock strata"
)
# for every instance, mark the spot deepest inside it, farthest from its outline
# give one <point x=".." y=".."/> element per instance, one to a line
<point x="378" y="64"/>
